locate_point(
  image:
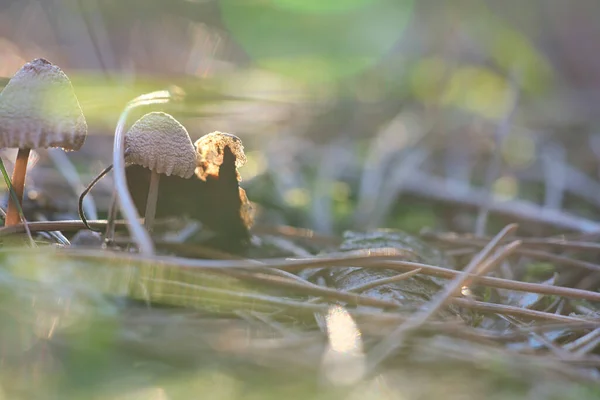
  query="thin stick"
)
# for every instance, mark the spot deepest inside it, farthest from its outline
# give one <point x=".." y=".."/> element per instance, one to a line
<point x="577" y="344"/>
<point x="463" y="194"/>
<point x="553" y="242"/>
<point x="64" y="226"/>
<point x="375" y="260"/>
<point x="513" y="311"/>
<point x="541" y="255"/>
<point x="151" y="200"/>
<point x="498" y="283"/>
<point x="496" y="259"/>
<point x="384" y="348"/>
<point x="292" y="286"/>
<point x="374" y="283"/>
<point x="137" y="231"/>
<point x="18" y="183"/>
<point x="383" y="281"/>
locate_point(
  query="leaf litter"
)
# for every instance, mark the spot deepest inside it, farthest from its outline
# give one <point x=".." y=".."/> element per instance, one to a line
<point x="273" y="310"/>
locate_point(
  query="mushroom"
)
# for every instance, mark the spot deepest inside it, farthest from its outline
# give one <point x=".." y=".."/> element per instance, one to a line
<point x="38" y="109"/>
<point x="157" y="141"/>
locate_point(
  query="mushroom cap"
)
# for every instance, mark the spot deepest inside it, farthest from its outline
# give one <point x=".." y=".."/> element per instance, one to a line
<point x="39" y="109"/>
<point x="209" y="149"/>
<point x="159" y="142"/>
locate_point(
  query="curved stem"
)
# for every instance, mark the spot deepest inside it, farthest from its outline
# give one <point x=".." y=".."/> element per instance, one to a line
<point x="137" y="231"/>
<point x="85" y="192"/>
<point x="151" y="200"/>
<point x="18" y="182"/>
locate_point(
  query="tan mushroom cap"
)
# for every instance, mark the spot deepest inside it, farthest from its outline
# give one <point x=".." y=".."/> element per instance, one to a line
<point x="159" y="142"/>
<point x="209" y="149"/>
<point x="39" y="109"/>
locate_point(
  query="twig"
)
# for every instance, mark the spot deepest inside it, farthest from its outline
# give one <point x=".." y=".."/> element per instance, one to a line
<point x="463" y="194"/>
<point x="560" y="243"/>
<point x="351" y="298"/>
<point x="383" y="281"/>
<point x="374" y="283"/>
<point x="490" y="281"/>
<point x="583" y="342"/>
<point x="377" y="259"/>
<point x="554" y="242"/>
<point x="64" y="226"/>
<point x="360" y="258"/>
<point x="541" y="255"/>
<point x="57" y="235"/>
<point x="512" y="310"/>
<point x="492" y="262"/>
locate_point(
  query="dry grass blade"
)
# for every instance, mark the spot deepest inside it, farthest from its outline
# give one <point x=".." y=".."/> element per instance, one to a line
<point x="538" y="254"/>
<point x="292" y="286"/>
<point x="554" y="242"/>
<point x="567" y="261"/>
<point x="383" y="349"/>
<point x="581" y="345"/>
<point x="359" y="258"/>
<point x="252" y="300"/>
<point x="497" y="258"/>
<point x="563" y="243"/>
<point x="63" y="226"/>
<point x="514" y="311"/>
<point x="375" y="283"/>
<point x="555" y="349"/>
<point x="376" y="260"/>
<point x="498" y="283"/>
<point x="384" y="281"/>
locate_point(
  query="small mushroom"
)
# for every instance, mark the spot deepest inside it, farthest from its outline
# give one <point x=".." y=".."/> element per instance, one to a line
<point x="157" y="141"/>
<point x="38" y="109"/>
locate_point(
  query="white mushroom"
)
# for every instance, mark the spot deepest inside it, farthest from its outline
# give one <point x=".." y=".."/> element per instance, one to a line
<point x="160" y="143"/>
<point x="38" y="109"/>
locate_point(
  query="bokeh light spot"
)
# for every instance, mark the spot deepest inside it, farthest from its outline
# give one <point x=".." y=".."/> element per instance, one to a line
<point x="320" y="6"/>
<point x="518" y="150"/>
<point x="479" y="91"/>
<point x="506" y="187"/>
<point x="316" y="47"/>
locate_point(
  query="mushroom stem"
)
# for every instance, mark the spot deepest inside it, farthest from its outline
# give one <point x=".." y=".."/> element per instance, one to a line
<point x="151" y="200"/>
<point x="140" y="235"/>
<point x="18" y="182"/>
